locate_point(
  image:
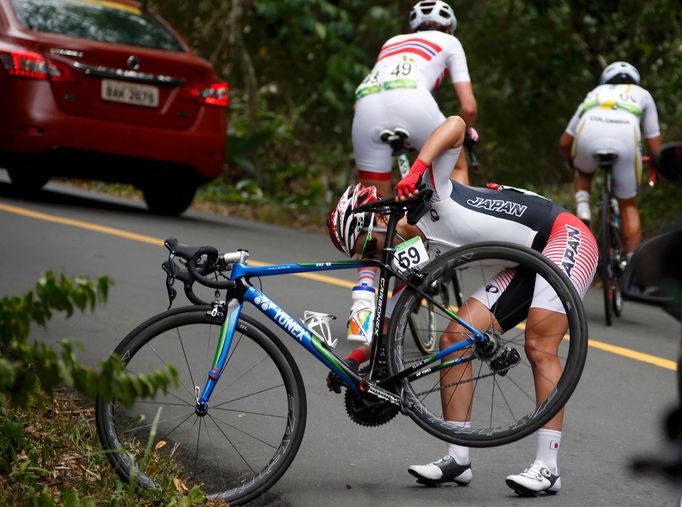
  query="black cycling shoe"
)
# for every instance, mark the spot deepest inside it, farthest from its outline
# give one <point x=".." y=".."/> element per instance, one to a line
<point x="444" y="470"/>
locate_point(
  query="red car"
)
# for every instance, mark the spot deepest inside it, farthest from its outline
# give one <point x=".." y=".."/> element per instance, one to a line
<point x="107" y="90"/>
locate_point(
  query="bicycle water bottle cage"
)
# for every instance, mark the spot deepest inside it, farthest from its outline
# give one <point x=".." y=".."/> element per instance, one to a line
<point x="420" y="206"/>
<point x="318" y="323"/>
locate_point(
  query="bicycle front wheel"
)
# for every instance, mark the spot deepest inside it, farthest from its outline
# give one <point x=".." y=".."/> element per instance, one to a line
<point x="255" y="420"/>
<point x="492" y="393"/>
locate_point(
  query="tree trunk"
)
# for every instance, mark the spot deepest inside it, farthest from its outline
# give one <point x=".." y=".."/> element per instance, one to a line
<point x="248" y="70"/>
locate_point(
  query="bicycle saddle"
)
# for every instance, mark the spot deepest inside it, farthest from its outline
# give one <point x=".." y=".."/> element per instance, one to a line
<point x="605" y="155"/>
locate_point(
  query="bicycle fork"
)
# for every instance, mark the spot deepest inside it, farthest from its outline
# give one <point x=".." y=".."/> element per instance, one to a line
<point x="231" y="313"/>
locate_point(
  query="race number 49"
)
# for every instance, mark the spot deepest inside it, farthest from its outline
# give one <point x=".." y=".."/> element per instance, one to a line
<point x="410" y="254"/>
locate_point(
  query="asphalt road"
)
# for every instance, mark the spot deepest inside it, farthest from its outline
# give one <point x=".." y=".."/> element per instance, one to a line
<point x="615" y="414"/>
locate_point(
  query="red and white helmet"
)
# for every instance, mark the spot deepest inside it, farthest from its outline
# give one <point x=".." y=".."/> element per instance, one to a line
<point x="435" y="11"/>
<point x="344" y="225"/>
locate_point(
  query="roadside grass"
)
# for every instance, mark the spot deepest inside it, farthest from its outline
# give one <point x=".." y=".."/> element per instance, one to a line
<point x="60" y="462"/>
<point x="659" y="206"/>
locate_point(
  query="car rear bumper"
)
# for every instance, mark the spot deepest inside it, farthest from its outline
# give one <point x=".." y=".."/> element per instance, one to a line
<point x="33" y="124"/>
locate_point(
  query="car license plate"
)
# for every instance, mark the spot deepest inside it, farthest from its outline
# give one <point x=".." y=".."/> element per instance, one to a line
<point x="129" y="93"/>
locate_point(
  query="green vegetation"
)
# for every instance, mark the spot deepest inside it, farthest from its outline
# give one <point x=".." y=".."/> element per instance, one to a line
<point x="293" y="66"/>
<point x="49" y="453"/>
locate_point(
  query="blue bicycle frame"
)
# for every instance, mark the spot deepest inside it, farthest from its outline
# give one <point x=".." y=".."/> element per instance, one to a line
<point x="240" y="273"/>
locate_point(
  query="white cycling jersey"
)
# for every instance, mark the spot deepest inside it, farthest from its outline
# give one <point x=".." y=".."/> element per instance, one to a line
<point x="462" y="215"/>
<point x="397" y="94"/>
<point x="420" y="59"/>
<point x="609" y="119"/>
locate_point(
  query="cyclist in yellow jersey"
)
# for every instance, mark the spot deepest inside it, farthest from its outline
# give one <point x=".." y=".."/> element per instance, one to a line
<point x="609" y="118"/>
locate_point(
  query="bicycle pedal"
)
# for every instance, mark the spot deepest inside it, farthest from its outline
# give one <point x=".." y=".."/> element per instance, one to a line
<point x="318" y="323"/>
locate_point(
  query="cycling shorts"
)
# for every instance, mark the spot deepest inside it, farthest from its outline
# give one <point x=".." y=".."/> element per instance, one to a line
<point x="571" y="246"/>
<point x="615" y="131"/>
<point x="414" y="110"/>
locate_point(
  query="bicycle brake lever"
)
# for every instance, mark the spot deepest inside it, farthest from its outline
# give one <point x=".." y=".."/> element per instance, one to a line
<point x="170" y="280"/>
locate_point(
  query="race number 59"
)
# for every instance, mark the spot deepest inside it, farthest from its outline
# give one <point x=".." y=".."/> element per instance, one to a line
<point x="410" y="254"/>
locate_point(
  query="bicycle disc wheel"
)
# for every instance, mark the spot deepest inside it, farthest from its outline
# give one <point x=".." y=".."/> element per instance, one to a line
<point x="606" y="259"/>
<point x="255" y="420"/>
<point x="496" y="388"/>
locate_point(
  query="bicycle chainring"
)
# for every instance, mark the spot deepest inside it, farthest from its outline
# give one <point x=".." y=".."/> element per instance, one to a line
<point x="367" y="411"/>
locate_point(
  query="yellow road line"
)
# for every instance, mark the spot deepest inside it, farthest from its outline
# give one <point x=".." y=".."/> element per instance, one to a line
<point x="633" y="354"/>
<point x="614" y="349"/>
<point x="143" y="238"/>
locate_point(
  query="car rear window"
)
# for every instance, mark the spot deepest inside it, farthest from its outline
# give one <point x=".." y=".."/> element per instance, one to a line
<point x="100" y="20"/>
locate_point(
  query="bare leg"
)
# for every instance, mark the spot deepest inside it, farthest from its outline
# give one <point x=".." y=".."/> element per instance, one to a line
<point x="544" y="331"/>
<point x="383" y="185"/>
<point x="632" y="229"/>
<point x="460" y="173"/>
<point x="582" y="181"/>
<point x="456" y="400"/>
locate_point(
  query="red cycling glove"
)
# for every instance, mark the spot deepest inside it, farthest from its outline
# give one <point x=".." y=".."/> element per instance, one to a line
<point x="408" y="185"/>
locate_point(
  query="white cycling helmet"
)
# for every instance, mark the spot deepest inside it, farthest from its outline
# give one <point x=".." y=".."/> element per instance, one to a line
<point x="619" y="73"/>
<point x="434" y="11"/>
<point x="344" y="225"/>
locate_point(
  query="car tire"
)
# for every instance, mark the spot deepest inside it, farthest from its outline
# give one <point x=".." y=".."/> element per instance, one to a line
<point x="169" y="200"/>
<point x="27" y="181"/>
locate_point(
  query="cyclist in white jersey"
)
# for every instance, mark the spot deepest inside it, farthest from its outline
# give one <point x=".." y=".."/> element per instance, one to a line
<point x="609" y="118"/>
<point x="461" y="215"/>
<point x="397" y="92"/>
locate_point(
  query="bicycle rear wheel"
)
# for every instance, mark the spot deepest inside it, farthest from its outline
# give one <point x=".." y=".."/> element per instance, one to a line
<point x="254" y="424"/>
<point x="606" y="255"/>
<point x="497" y="390"/>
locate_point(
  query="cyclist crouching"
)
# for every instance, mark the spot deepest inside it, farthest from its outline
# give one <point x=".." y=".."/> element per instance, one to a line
<point x="462" y="215"/>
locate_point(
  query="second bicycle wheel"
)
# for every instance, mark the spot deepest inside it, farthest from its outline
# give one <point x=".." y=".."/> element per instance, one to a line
<point x="492" y="399"/>
<point x="423" y="324"/>
<point x="255" y="420"/>
<point x="608" y="278"/>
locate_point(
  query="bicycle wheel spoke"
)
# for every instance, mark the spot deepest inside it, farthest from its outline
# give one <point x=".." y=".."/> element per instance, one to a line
<point x="184" y="355"/>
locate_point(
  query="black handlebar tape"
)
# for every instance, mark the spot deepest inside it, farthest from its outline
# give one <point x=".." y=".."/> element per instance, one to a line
<point x="211" y="254"/>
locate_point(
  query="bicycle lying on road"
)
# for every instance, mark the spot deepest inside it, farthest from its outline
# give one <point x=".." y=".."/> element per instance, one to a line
<point x="236" y="418"/>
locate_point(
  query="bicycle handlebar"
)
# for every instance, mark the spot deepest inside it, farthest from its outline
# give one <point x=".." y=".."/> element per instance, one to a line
<point x="415" y="208"/>
<point x="200" y="262"/>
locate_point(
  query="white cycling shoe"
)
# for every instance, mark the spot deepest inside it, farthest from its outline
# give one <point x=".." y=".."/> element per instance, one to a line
<point x="535" y="479"/>
<point x="444" y="470"/>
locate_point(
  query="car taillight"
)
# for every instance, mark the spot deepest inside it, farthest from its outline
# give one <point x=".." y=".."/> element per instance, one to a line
<point x="31" y="65"/>
<point x="214" y="94"/>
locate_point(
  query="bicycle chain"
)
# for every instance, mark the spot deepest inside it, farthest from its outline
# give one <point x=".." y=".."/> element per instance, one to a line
<point x="438" y="388"/>
<point x="434" y="389"/>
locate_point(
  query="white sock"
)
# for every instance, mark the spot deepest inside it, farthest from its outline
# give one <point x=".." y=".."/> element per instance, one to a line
<point x="582" y="196"/>
<point x="458" y="452"/>
<point x="548" y="448"/>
